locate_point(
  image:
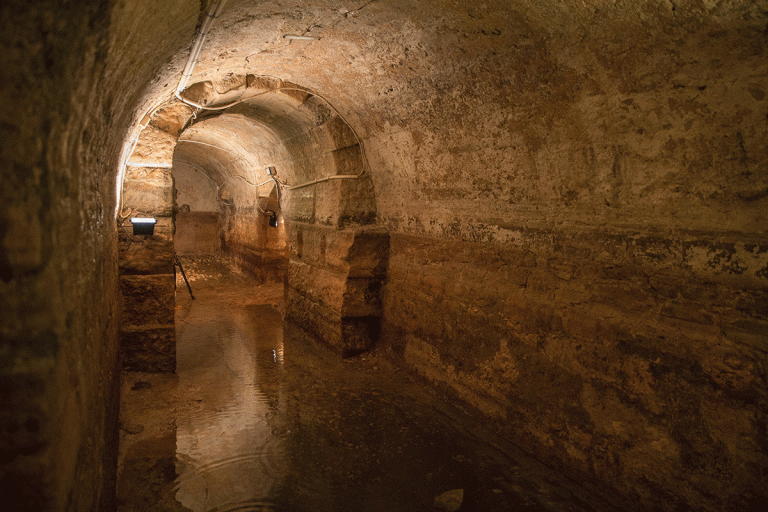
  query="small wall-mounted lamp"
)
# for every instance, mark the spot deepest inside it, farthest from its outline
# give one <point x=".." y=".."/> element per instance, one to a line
<point x="273" y="220"/>
<point x="143" y="226"/>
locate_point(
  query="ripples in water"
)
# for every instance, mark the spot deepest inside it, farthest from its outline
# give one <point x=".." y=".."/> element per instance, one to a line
<point x="277" y="423"/>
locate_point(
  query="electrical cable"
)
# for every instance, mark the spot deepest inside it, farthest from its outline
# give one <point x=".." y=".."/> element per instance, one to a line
<point x="201" y="171"/>
<point x="277" y="188"/>
<point x="213" y="13"/>
<point x="358" y="139"/>
<point x="197" y="46"/>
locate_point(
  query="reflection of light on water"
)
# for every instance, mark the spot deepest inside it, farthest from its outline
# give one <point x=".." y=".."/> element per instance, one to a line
<point x="228" y="453"/>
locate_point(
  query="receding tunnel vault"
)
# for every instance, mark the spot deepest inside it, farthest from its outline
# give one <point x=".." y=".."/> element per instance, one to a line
<point x="233" y="152"/>
<point x="553" y="212"/>
<point x="227" y="179"/>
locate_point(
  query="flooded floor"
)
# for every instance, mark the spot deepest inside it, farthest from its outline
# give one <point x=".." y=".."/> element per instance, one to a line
<point x="260" y="418"/>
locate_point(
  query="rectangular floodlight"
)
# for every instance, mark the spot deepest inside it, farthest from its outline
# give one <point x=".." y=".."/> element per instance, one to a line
<point x="143" y="225"/>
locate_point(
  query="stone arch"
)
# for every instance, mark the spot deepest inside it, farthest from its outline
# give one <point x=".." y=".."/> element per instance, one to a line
<point x="334" y="257"/>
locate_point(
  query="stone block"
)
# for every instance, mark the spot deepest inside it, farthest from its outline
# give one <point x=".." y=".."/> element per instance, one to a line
<point x="139" y="254"/>
<point x="201" y="93"/>
<point x="357" y="202"/>
<point x="318" y="245"/>
<point x="153" y="149"/>
<point x="172" y="118"/>
<point x="149" y="349"/>
<point x="347" y="336"/>
<point x="368" y="256"/>
<point x="348" y="160"/>
<point x="259" y="84"/>
<point x="316" y="108"/>
<point x="318" y="284"/>
<point x="340" y="132"/>
<point x="358" y="253"/>
<point x="264" y="265"/>
<point x="152" y="198"/>
<point x="297" y="97"/>
<point x="300" y="205"/>
<point x="327" y="201"/>
<point x="161" y="176"/>
<point x="148" y="299"/>
<point x="321" y="322"/>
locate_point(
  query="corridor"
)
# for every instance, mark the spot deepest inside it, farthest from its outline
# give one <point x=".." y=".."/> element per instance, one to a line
<point x="549" y="215"/>
<point x="259" y="417"/>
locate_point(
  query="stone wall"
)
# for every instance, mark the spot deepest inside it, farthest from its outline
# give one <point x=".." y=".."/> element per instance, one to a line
<point x="255" y="246"/>
<point x="146" y="262"/>
<point x="197" y="218"/>
<point x="69" y="101"/>
<point x="147" y="278"/>
<point x="587" y="177"/>
<point x="578" y="243"/>
<point x="197" y="233"/>
<point x="148" y="288"/>
<point x="635" y="359"/>
<point x="333" y="284"/>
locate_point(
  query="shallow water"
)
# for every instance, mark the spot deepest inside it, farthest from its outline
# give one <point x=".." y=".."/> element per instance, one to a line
<point x="265" y="419"/>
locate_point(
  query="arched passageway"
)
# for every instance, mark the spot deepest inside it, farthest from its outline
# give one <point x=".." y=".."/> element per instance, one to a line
<point x="570" y="197"/>
<point x="277" y="151"/>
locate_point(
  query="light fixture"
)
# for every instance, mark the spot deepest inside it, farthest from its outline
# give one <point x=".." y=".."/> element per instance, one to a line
<point x="273" y="220"/>
<point x="300" y="38"/>
<point x="143" y="225"/>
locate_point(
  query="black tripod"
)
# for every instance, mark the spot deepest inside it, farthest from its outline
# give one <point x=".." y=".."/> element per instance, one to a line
<point x="178" y="262"/>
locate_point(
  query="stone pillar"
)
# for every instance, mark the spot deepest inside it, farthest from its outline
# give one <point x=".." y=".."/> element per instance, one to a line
<point x="333" y="283"/>
<point x="148" y="287"/>
<point x="147" y="280"/>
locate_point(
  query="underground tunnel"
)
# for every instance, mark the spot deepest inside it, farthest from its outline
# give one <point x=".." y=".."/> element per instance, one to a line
<point x="525" y="240"/>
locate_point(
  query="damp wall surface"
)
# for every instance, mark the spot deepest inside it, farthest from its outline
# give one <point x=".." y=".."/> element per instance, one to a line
<point x="256" y="247"/>
<point x="578" y="247"/>
<point x="69" y="99"/>
<point x="58" y="357"/>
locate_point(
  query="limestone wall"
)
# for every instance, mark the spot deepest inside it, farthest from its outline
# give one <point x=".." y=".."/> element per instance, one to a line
<point x="68" y="102"/>
<point x="256" y="247"/>
<point x="578" y="244"/>
<point x="333" y="284"/>
<point x="636" y="359"/>
<point x="147" y="279"/>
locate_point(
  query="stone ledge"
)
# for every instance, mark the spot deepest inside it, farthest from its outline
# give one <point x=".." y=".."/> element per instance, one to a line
<point x="357" y="252"/>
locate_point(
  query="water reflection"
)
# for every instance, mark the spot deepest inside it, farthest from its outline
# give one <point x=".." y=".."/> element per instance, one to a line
<point x="230" y="453"/>
<point x="268" y="420"/>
